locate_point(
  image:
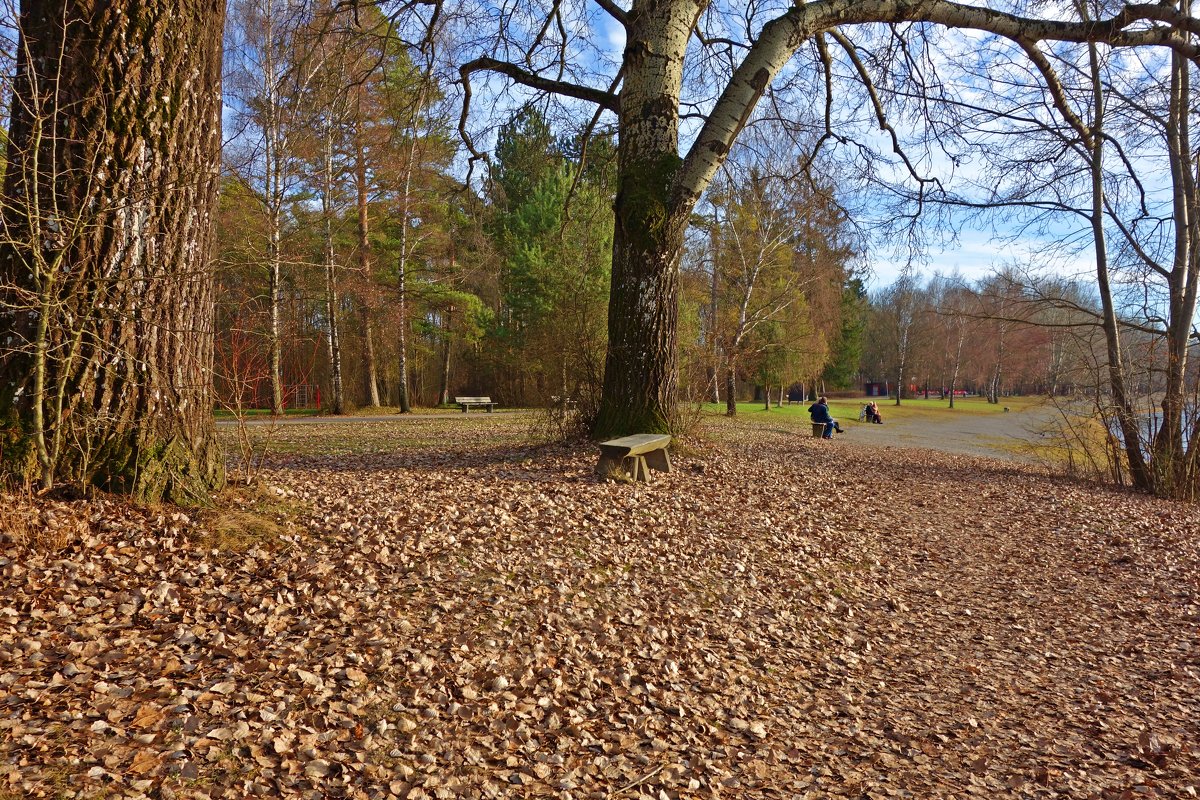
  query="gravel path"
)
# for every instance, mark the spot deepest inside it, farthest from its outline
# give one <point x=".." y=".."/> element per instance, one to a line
<point x="990" y="435"/>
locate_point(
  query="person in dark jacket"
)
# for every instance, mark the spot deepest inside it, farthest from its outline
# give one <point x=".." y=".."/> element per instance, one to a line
<point x="819" y="411"/>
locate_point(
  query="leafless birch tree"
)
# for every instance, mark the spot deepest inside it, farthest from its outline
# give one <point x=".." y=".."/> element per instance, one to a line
<point x="734" y="54"/>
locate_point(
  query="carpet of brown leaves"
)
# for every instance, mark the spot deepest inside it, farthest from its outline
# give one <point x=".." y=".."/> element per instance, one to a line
<point x="438" y="611"/>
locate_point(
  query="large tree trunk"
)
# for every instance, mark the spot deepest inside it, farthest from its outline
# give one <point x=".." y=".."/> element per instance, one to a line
<point x="109" y="193"/>
<point x="639" y="369"/>
<point x="650" y="221"/>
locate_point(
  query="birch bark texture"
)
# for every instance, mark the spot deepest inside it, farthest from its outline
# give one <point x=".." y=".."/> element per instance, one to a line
<point x="106" y="293"/>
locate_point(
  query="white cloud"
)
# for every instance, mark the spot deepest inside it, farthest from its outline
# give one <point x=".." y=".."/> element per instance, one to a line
<point x="978" y="254"/>
<point x="613" y="36"/>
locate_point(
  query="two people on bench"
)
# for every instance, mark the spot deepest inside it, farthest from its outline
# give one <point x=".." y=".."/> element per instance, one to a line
<point x="819" y="412"/>
<point x="870" y="413"/>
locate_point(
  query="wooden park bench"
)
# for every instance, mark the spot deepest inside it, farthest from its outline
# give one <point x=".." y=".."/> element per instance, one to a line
<point x="635" y="456"/>
<point x="466" y="402"/>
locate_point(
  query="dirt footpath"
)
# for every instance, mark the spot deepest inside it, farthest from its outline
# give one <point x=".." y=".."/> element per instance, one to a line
<point x="991" y="435"/>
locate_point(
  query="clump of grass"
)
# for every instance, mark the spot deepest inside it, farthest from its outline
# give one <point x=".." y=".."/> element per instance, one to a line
<point x="19" y="519"/>
<point x="249" y="517"/>
<point x="31" y="522"/>
<point x="1080" y="445"/>
<point x="614" y="472"/>
<point x="233" y="531"/>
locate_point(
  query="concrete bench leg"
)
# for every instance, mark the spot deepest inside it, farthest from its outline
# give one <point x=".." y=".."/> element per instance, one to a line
<point x="636" y="468"/>
<point x="818" y="430"/>
<point x="659" y="460"/>
<point x="633" y="467"/>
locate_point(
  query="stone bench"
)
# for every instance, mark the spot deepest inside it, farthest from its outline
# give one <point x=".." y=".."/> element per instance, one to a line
<point x="634" y="456"/>
<point x="466" y="402"/>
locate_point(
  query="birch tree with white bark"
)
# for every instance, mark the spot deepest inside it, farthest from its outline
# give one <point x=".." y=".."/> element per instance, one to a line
<point x="690" y="77"/>
<point x="269" y="70"/>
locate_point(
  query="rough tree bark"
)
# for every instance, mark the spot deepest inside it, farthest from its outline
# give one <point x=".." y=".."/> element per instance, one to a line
<point x="640" y="366"/>
<point x="106" y="298"/>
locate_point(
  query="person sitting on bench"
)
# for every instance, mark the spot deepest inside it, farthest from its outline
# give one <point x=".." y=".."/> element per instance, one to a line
<point x="872" y="413"/>
<point x="819" y="411"/>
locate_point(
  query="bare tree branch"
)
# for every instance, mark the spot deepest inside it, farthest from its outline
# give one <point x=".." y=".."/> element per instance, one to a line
<point x="614" y="11"/>
<point x="603" y="98"/>
<point x="780" y="37"/>
<point x="877" y="105"/>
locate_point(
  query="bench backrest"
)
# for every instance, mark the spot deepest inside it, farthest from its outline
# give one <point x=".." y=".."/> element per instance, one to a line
<point x="472" y="399"/>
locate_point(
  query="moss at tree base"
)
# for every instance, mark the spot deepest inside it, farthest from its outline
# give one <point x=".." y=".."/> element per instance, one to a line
<point x="176" y="474"/>
<point x="18" y="456"/>
<point x="168" y="471"/>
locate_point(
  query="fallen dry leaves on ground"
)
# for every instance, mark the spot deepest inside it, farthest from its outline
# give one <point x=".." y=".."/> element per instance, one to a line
<point x="441" y="611"/>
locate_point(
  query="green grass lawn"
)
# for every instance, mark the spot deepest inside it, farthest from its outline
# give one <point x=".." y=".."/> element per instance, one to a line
<point x="845" y="409"/>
